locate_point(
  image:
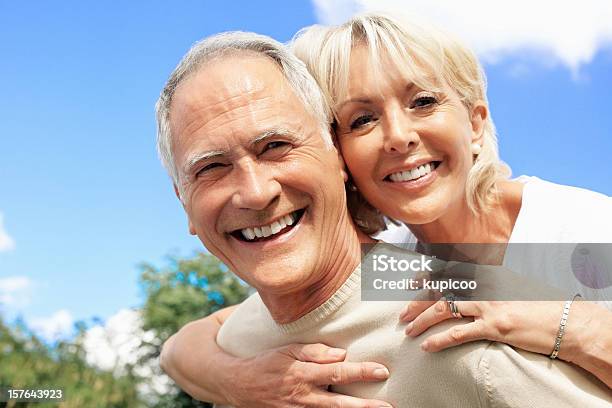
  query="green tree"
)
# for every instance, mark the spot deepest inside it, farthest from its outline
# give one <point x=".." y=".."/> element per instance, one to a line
<point x="182" y="291"/>
<point x="27" y="362"/>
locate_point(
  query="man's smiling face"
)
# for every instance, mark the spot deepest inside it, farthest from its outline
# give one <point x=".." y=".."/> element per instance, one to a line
<point x="261" y="189"/>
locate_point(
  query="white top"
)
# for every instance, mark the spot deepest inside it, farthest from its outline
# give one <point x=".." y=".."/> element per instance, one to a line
<point x="549" y="213"/>
<point x="555" y="213"/>
<point x="552" y="213"/>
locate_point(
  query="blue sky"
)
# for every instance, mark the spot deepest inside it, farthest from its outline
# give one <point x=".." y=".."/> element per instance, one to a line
<point x="82" y="194"/>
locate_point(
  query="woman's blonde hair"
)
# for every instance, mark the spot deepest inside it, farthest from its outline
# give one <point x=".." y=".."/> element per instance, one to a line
<point x="429" y="59"/>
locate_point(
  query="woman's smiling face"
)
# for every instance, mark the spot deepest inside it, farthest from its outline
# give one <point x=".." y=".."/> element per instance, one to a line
<point x="408" y="149"/>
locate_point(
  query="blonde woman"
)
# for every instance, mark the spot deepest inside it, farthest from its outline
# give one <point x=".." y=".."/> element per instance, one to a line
<point x="413" y="125"/>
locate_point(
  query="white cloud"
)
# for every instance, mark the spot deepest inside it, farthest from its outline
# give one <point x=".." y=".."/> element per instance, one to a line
<point x="569" y="32"/>
<point x="57" y="326"/>
<point x="114" y="344"/>
<point x="15" y="291"/>
<point x="6" y="242"/>
<point x="119" y="343"/>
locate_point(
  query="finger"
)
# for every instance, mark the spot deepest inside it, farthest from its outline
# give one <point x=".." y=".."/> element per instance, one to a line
<point x="315" y="353"/>
<point x="458" y="334"/>
<point x="422" y="301"/>
<point x="325" y="399"/>
<point x="415" y="308"/>
<point x="346" y="373"/>
<point x="434" y="314"/>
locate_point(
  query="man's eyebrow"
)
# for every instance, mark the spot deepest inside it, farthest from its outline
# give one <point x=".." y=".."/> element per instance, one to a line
<point x="271" y="133"/>
<point x="197" y="158"/>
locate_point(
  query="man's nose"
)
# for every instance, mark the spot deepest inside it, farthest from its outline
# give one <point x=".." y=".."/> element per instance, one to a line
<point x="257" y="188"/>
<point x="400" y="134"/>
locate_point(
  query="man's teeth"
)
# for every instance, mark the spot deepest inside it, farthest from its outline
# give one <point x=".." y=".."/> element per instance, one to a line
<point x="267" y="230"/>
<point x="413" y="174"/>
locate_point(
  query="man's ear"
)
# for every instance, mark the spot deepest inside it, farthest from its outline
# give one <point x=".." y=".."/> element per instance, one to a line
<point x="192" y="230"/>
<point x="478" y="118"/>
<point x="177" y="192"/>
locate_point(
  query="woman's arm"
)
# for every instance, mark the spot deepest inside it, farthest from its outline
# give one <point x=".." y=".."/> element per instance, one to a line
<point x="188" y="355"/>
<point x="589" y="343"/>
<point x="531" y="326"/>
<point x="294" y="375"/>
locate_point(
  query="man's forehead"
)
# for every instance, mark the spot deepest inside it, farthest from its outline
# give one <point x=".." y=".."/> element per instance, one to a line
<point x="226" y="85"/>
<point x="225" y="78"/>
<point x="236" y="97"/>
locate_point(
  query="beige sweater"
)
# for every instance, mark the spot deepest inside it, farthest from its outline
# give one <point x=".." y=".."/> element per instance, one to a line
<point x="477" y="374"/>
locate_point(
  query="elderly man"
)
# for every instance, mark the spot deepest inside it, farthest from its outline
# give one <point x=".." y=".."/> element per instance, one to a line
<point x="243" y="133"/>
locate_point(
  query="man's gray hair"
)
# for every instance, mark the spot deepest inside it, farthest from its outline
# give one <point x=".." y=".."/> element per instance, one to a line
<point x="219" y="45"/>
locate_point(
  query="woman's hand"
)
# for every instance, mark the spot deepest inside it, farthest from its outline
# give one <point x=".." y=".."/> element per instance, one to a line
<point x="529" y="325"/>
<point x="296" y="375"/>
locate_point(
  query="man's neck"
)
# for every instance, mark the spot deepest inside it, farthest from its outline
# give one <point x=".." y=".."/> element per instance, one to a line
<point x="343" y="258"/>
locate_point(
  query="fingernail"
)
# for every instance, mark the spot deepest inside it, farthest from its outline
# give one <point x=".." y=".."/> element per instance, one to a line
<point x="409" y="328"/>
<point x="336" y="352"/>
<point x="385" y="406"/>
<point x="381" y="373"/>
<point x="404" y="313"/>
<point x="425" y="346"/>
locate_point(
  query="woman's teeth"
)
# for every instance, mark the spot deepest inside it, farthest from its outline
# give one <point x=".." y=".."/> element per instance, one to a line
<point x="271" y="229"/>
<point x="413" y="174"/>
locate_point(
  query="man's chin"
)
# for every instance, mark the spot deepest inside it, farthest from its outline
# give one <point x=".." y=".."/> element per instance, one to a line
<point x="283" y="280"/>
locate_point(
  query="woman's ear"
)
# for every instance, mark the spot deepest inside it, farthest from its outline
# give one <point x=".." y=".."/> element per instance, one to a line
<point x="478" y="118"/>
<point x="343" y="170"/>
<point x="345" y="176"/>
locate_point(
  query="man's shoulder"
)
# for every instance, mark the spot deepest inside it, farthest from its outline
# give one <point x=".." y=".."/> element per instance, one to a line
<point x="251" y="308"/>
<point x="250" y="320"/>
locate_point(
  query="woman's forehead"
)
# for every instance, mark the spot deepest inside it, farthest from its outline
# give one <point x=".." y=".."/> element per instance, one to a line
<point x="379" y="68"/>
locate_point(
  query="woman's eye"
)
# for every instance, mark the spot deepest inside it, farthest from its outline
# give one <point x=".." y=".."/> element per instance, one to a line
<point x="361" y="121"/>
<point x="424" y="101"/>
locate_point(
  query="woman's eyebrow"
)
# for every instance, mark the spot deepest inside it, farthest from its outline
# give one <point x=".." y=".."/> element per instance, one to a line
<point x="363" y="99"/>
<point x="352" y="100"/>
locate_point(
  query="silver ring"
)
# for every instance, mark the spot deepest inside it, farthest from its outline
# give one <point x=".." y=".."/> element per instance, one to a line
<point x="450" y="299"/>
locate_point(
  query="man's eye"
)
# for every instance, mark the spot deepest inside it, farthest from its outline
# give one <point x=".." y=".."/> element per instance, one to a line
<point x="362" y="121"/>
<point x="424" y="102"/>
<point x="208" y="168"/>
<point x="274" y="145"/>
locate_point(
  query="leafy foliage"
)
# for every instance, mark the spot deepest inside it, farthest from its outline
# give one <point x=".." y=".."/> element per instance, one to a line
<point x="184" y="290"/>
<point x="29" y="363"/>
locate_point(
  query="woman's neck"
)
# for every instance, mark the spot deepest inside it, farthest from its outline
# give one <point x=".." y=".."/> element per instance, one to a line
<point x="460" y="225"/>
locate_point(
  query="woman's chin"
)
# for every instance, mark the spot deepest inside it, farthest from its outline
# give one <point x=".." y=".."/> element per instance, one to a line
<point x="417" y="215"/>
<point x="416" y="211"/>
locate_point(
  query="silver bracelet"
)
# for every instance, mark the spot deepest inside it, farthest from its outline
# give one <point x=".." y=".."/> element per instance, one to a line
<point x="562" y="324"/>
